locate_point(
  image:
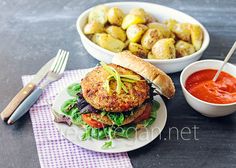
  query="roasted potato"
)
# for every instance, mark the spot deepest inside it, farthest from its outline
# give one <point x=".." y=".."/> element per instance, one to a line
<point x="135" y="32"/>
<point x="132" y="19"/>
<point x="115" y="16"/>
<point x="95" y="37"/>
<point x="140" y="11"/>
<point x="150" y="37"/>
<point x="164" y="49"/>
<point x="171" y="23"/>
<point x="116" y="32"/>
<point x="182" y="31"/>
<point x="196" y="36"/>
<point x="99" y="14"/>
<point x="162" y="27"/>
<point x="183" y="48"/>
<point x="138" y="50"/>
<point x="93" y="27"/>
<point x="108" y="42"/>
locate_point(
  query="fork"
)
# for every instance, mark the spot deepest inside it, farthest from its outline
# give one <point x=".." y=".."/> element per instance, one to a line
<point x="56" y="71"/>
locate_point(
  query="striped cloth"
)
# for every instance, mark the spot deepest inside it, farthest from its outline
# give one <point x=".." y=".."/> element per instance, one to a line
<point x="54" y="150"/>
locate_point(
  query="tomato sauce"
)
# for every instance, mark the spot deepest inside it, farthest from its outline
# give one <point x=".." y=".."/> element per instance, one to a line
<point x="223" y="91"/>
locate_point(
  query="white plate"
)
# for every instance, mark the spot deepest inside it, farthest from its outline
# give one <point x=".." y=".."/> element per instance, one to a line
<point x="143" y="137"/>
<point x="159" y="11"/>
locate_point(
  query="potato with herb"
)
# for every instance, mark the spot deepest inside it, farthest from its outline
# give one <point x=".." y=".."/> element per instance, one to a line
<point x="183" y="48"/>
<point x="93" y="27"/>
<point x="162" y="27"/>
<point x="99" y="14"/>
<point x="164" y="49"/>
<point x="108" y="42"/>
<point x="182" y="31"/>
<point x="115" y="16"/>
<point x="95" y="37"/>
<point x="135" y="32"/>
<point x="116" y="32"/>
<point x="171" y="23"/>
<point x="196" y="36"/>
<point x="140" y="11"/>
<point x="132" y="19"/>
<point x="150" y="37"/>
<point x="138" y="50"/>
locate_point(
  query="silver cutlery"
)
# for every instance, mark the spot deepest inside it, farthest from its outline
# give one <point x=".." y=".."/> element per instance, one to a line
<point x="25" y="91"/>
<point x="56" y="71"/>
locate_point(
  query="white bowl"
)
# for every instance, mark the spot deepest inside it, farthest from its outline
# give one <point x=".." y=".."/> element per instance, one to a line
<point x="206" y="108"/>
<point x="162" y="13"/>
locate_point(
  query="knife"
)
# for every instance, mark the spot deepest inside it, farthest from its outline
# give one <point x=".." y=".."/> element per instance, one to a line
<point x="25" y="91"/>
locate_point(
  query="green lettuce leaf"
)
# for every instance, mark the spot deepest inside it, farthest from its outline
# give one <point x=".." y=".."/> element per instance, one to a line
<point x="155" y="107"/>
<point x="74" y="89"/>
<point x="117" y="118"/>
<point x="97" y="133"/>
<point x="125" y="131"/>
<point x="87" y="133"/>
<point x="107" y="145"/>
<point x="77" y="118"/>
<point x="69" y="106"/>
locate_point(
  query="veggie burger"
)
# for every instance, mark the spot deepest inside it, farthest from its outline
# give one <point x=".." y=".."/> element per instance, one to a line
<point x="113" y="98"/>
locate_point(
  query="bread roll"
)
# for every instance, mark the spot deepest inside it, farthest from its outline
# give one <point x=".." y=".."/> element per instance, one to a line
<point x="159" y="78"/>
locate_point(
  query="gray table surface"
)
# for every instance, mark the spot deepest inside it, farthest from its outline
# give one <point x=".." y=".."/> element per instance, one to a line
<point x="31" y="32"/>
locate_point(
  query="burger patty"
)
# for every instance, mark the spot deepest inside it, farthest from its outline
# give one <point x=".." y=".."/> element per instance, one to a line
<point x="97" y="96"/>
<point x="129" y="119"/>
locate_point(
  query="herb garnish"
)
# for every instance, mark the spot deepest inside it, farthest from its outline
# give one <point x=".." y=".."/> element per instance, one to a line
<point x="107" y="145"/>
<point x="114" y="75"/>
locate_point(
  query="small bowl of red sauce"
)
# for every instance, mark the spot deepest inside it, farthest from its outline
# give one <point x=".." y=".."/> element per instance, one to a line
<point x="211" y="99"/>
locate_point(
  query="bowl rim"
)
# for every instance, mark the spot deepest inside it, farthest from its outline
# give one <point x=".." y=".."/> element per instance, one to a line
<point x="206" y="38"/>
<point x="195" y="98"/>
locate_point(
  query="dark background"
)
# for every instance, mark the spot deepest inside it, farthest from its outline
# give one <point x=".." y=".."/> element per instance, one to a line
<point x="31" y="32"/>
